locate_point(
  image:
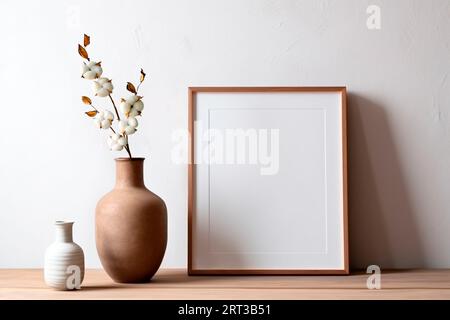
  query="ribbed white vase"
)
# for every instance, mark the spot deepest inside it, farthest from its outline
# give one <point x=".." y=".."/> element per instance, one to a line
<point x="64" y="260"/>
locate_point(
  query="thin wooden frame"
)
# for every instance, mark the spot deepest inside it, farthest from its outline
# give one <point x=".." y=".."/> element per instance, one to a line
<point x="192" y="91"/>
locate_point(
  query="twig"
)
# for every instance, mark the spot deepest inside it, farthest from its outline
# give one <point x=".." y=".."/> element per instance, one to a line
<point x="128" y="148"/>
<point x="128" y="151"/>
<point x="115" y="108"/>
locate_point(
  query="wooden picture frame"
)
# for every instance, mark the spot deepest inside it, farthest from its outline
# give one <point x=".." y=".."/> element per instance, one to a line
<point x="321" y="113"/>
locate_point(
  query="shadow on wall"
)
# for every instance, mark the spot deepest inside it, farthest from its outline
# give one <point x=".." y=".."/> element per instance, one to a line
<point x="382" y="224"/>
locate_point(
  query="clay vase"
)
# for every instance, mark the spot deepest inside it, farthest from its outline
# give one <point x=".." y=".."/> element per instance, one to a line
<point x="131" y="226"/>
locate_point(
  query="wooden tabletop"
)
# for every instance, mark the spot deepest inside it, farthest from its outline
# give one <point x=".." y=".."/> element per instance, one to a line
<point x="175" y="284"/>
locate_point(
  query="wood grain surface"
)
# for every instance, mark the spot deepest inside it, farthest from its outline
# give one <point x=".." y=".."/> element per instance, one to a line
<point x="176" y="284"/>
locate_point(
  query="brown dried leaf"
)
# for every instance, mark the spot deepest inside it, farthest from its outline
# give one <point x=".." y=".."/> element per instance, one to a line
<point x="86" y="40"/>
<point x="86" y="100"/>
<point x="131" y="88"/>
<point x="142" y="75"/>
<point x="82" y="51"/>
<point x="92" y="113"/>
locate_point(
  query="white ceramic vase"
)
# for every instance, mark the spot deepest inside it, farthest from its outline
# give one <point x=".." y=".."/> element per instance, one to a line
<point x="64" y="260"/>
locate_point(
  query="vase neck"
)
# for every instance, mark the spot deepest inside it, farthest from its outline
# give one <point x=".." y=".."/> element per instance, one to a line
<point x="130" y="173"/>
<point x="63" y="231"/>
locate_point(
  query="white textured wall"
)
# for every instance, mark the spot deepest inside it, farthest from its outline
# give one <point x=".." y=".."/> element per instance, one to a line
<point x="55" y="164"/>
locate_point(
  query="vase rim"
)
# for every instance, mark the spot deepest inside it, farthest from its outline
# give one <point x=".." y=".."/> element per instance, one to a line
<point x="130" y="159"/>
<point x="63" y="222"/>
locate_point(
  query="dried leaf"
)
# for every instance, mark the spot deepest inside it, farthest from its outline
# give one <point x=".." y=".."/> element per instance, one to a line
<point x="86" y="40"/>
<point x="142" y="75"/>
<point x="92" y="113"/>
<point x="99" y="63"/>
<point x="82" y="51"/>
<point x="86" y="100"/>
<point x="131" y="88"/>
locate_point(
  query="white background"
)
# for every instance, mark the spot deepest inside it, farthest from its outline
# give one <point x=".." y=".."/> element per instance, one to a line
<point x="55" y="164"/>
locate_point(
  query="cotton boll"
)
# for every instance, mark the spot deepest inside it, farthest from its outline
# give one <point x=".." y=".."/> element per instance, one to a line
<point x="91" y="70"/>
<point x="116" y="142"/>
<point x="128" y="126"/>
<point x="132" y="122"/>
<point x="124" y="107"/>
<point x="84" y="68"/>
<point x="98" y="70"/>
<point x="102" y="93"/>
<point x="109" y="115"/>
<point x="138" y="105"/>
<point x="90" y="75"/>
<point x="122" y="125"/>
<point x="108" y="86"/>
<point x="135" y="106"/>
<point x="103" y="81"/>
<point x="96" y="86"/>
<point x="122" y="141"/>
<point x="102" y="87"/>
<point x="104" y="119"/>
<point x="132" y="99"/>
<point x="133" y="113"/>
<point x="106" y="124"/>
<point x="130" y="130"/>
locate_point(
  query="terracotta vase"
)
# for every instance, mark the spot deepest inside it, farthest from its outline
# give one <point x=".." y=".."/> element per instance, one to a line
<point x="131" y="226"/>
